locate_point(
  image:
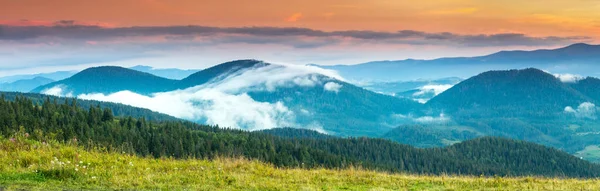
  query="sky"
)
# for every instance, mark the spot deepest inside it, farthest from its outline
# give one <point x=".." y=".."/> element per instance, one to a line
<point x="43" y="36"/>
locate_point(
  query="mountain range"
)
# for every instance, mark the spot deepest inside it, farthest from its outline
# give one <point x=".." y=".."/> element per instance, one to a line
<point x="246" y="94"/>
<point x="579" y="59"/>
<point x="527" y="104"/>
<point x="25" y="85"/>
<point x="170" y="73"/>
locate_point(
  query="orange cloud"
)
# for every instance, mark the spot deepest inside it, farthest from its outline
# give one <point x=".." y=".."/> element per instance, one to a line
<point x="328" y="15"/>
<point x="295" y="17"/>
<point x="27" y="23"/>
<point x="459" y="11"/>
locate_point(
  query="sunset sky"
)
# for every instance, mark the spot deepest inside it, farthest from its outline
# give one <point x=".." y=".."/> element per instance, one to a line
<point x="42" y="35"/>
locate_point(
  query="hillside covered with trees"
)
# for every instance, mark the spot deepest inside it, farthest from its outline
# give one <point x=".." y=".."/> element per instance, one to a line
<point x="98" y="127"/>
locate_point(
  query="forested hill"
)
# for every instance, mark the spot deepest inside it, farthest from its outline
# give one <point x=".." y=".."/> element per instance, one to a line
<point x="527" y="92"/>
<point x="589" y="86"/>
<point x="97" y="127"/>
<point x="222" y="70"/>
<point x="110" y="79"/>
<point x="120" y="110"/>
<point x="294" y="133"/>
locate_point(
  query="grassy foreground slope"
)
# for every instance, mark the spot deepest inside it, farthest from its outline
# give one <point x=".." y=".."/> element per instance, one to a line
<point x="33" y="165"/>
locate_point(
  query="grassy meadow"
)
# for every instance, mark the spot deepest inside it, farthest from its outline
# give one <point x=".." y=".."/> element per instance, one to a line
<point x="32" y="165"/>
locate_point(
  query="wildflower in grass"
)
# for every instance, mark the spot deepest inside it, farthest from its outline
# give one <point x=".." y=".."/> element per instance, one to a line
<point x="76" y="169"/>
<point x="26" y="134"/>
<point x="130" y="163"/>
<point x="80" y="162"/>
<point x="12" y="140"/>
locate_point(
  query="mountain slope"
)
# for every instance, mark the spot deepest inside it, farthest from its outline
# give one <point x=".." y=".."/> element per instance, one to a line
<point x="25" y="85"/>
<point x="96" y="128"/>
<point x="589" y="86"/>
<point x="575" y="59"/>
<point x="347" y="111"/>
<point x="219" y="71"/>
<point x="248" y="94"/>
<point x="109" y="79"/>
<point x="60" y="75"/>
<point x="509" y="93"/>
<point x="527" y="104"/>
<point x="119" y="110"/>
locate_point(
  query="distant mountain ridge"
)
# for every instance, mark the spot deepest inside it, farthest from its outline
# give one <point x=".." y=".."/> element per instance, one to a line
<point x="24" y="85"/>
<point x="579" y="58"/>
<point x="170" y="73"/>
<point x="55" y="76"/>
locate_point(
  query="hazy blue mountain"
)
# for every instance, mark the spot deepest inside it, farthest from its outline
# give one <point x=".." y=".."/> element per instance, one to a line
<point x="24" y="85"/>
<point x="60" y="75"/>
<point x="171" y="73"/>
<point x="580" y="59"/>
<point x="109" y="79"/>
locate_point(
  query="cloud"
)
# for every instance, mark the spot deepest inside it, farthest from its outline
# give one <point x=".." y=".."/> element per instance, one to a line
<point x="568" y="78"/>
<point x="57" y="91"/>
<point x="585" y="110"/>
<point x="431" y="119"/>
<point x="293" y="18"/>
<point x="225" y="101"/>
<point x="458" y="11"/>
<point x="442" y="118"/>
<point x="436" y="89"/>
<point x="429" y="91"/>
<point x="332" y="86"/>
<point x="84" y="31"/>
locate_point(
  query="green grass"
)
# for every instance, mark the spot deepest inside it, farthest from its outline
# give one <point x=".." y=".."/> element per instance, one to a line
<point x="31" y="165"/>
